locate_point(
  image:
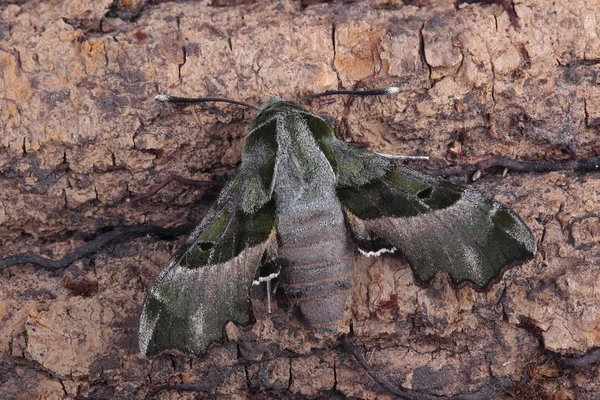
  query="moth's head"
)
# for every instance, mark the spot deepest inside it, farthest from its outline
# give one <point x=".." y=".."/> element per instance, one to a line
<point x="276" y="106"/>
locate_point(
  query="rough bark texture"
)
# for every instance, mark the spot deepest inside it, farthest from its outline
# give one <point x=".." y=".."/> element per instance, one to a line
<point x="81" y="133"/>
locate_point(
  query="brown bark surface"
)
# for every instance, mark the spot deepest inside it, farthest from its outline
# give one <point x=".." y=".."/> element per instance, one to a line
<point x="81" y="133"/>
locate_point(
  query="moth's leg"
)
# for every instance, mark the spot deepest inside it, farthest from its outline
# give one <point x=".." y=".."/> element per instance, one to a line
<point x="294" y="309"/>
<point x="267" y="279"/>
<point x="399" y="157"/>
<point x="173" y="177"/>
<point x="269" y="296"/>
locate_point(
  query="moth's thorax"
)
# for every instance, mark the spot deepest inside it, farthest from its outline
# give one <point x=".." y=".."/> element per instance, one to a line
<point x="275" y="108"/>
<point x="303" y="177"/>
<point x="282" y="160"/>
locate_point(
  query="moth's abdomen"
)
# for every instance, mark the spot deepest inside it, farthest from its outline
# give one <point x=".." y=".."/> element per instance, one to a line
<point x="316" y="256"/>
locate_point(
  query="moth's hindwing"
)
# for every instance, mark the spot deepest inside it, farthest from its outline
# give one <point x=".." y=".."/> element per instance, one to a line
<point x="207" y="283"/>
<point x="437" y="226"/>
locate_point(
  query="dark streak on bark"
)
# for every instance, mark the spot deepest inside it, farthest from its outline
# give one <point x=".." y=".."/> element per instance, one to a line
<point x="95" y="245"/>
<point x="494" y="387"/>
<point x="173" y="177"/>
<point x="393" y="389"/>
<point x="467" y="168"/>
<point x="590" y="358"/>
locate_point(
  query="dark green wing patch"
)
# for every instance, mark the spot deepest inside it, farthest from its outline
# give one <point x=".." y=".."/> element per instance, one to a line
<point x="229" y="235"/>
<point x="398" y="195"/>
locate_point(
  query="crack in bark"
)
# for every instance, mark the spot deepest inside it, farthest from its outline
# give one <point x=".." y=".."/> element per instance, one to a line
<point x="290" y="380"/>
<point x="422" y="54"/>
<point x="462" y="58"/>
<point x="335" y="382"/>
<point x="570" y="333"/>
<point x="179" y="66"/>
<point x="66" y="207"/>
<point x="493" y="68"/>
<point x="337" y="73"/>
<point x="64" y="388"/>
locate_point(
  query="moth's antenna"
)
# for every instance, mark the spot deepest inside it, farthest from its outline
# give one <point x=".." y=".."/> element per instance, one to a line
<point x="374" y="92"/>
<point x="187" y="100"/>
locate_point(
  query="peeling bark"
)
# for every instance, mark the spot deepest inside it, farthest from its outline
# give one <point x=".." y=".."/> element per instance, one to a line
<point x="81" y="134"/>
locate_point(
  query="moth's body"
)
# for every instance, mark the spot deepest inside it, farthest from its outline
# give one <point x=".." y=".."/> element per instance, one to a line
<point x="295" y="195"/>
<point x="315" y="250"/>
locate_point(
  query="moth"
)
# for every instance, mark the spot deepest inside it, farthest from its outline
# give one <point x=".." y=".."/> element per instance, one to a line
<point x="304" y="199"/>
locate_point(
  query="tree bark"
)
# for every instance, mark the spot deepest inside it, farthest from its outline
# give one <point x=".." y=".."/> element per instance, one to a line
<point x="82" y="133"/>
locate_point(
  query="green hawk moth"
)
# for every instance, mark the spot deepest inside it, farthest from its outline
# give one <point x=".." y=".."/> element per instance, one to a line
<point x="304" y="198"/>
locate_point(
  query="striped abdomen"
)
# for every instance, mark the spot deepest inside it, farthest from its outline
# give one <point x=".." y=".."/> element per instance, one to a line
<point x="316" y="254"/>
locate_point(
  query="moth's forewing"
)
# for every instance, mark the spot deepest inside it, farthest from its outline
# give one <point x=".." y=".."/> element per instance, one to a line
<point x="258" y="166"/>
<point x="207" y="283"/>
<point x="352" y="166"/>
<point x="437" y="226"/>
